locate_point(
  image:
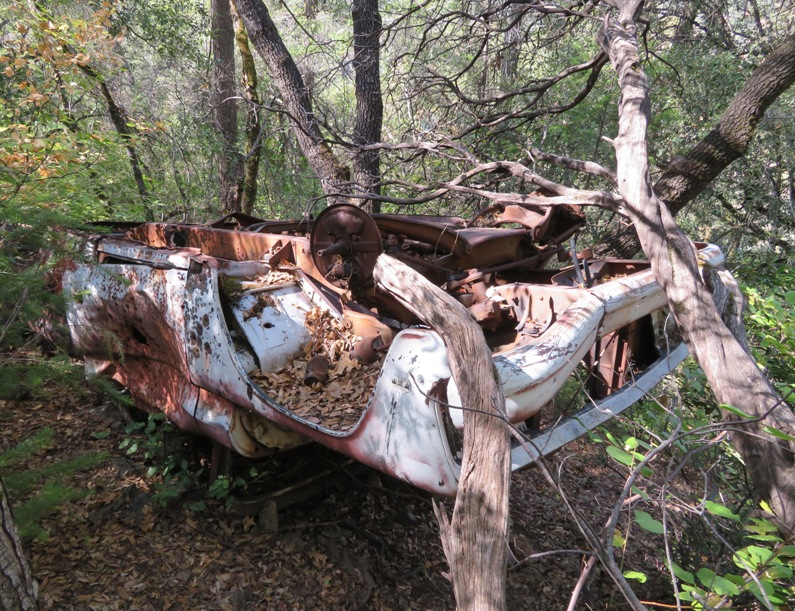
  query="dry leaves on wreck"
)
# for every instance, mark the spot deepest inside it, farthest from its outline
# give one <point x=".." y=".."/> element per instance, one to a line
<point x="338" y="402"/>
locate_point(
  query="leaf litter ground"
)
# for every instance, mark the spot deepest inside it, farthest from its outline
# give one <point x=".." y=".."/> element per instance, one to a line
<point x="367" y="543"/>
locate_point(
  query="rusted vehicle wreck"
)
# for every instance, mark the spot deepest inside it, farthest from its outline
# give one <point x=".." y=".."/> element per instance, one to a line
<point x="264" y="335"/>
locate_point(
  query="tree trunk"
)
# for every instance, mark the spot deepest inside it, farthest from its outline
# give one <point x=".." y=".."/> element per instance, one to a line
<point x="369" y="105"/>
<point x="17" y="588"/>
<point x="475" y="540"/>
<point x="511" y="46"/>
<point x="224" y="105"/>
<point x="732" y="373"/>
<point x="334" y="176"/>
<point x="686" y="177"/>
<point x="121" y="121"/>
<point x="253" y="122"/>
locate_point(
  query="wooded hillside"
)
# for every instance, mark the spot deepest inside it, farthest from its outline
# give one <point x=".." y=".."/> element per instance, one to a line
<point x="667" y="121"/>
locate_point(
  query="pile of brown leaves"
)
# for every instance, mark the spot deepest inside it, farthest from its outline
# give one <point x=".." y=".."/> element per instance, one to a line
<point x="338" y="403"/>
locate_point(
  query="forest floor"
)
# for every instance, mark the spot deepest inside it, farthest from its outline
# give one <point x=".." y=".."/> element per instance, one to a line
<point x="368" y="542"/>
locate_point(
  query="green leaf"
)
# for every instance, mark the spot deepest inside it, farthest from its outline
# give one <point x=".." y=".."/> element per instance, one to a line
<point x="646" y="522"/>
<point x="779" y="571"/>
<point x="772" y="538"/>
<point x="737" y="580"/>
<point x="725" y="587"/>
<point x="767" y="586"/>
<point x="789" y="297"/>
<point x="752" y="556"/>
<point x="776" y="433"/>
<point x="701" y="594"/>
<point x="618" y="539"/>
<point x="736" y="411"/>
<point x="100" y="435"/>
<point x="706" y="576"/>
<point x="134" y="426"/>
<point x="681" y="574"/>
<point x="716" y="583"/>
<point x="641" y="577"/>
<point x="721" y="511"/>
<point x="620" y="456"/>
<point x="760" y="525"/>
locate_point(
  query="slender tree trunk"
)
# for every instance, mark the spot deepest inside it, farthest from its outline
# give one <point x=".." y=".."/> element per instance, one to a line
<point x="70" y="121"/>
<point x="334" y="176"/>
<point x="369" y="105"/>
<point x="17" y="588"/>
<point x="121" y="120"/>
<point x="732" y="373"/>
<point x="686" y="20"/>
<point x="511" y="47"/>
<point x="253" y="154"/>
<point x="224" y="104"/>
<point x="718" y="25"/>
<point x="475" y="539"/>
<point x="687" y="176"/>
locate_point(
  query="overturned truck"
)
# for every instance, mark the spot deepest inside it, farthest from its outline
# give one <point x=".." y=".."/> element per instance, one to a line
<point x="265" y="335"/>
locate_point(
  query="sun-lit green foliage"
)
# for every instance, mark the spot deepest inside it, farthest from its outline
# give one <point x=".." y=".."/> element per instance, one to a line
<point x="722" y="550"/>
<point x="716" y="546"/>
<point x="771" y="321"/>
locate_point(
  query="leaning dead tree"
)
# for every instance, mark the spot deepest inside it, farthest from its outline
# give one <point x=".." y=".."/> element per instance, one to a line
<point x="475" y="538"/>
<point x="731" y="371"/>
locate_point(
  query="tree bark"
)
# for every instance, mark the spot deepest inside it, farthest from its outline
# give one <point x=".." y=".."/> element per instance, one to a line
<point x="253" y="154"/>
<point x="369" y="104"/>
<point x="224" y="105"/>
<point x="334" y="176"/>
<point x="475" y="539"/>
<point x="733" y="375"/>
<point x="687" y="176"/>
<point x="17" y="588"/>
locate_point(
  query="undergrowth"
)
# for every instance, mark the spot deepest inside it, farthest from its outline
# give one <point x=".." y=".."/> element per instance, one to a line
<point x="37" y="493"/>
<point x="720" y="548"/>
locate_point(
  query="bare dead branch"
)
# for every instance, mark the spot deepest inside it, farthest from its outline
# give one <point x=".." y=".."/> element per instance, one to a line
<point x="552" y="193"/>
<point x="587" y="167"/>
